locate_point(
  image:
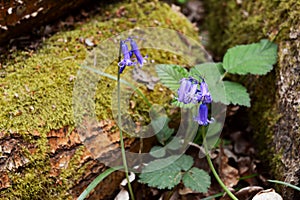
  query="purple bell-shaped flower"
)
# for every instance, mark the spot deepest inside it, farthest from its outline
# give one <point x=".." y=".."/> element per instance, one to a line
<point x="206" y="98"/>
<point x="134" y="48"/>
<point x="202" y="117"/>
<point x="126" y="54"/>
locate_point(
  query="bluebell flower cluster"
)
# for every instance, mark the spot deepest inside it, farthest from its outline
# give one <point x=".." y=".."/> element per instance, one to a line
<point x="195" y="92"/>
<point x="127" y="54"/>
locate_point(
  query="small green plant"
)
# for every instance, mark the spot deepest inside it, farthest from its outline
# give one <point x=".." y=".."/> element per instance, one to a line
<point x="179" y="170"/>
<point x="201" y="85"/>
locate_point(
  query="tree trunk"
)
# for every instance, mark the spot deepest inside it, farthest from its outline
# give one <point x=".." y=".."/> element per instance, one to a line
<point x="275" y="98"/>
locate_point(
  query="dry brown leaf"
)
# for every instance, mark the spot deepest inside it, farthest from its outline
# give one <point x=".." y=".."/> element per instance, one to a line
<point x="185" y="191"/>
<point x="229" y="175"/>
<point x="241" y="144"/>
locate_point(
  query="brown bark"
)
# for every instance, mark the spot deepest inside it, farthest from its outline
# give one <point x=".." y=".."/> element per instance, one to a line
<point x="275" y="111"/>
<point x="17" y="18"/>
<point x="62" y="149"/>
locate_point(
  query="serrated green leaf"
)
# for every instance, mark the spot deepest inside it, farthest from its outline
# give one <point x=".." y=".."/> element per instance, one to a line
<point x="257" y="58"/>
<point x="161" y="179"/>
<point x="157" y="151"/>
<point x="161" y="128"/>
<point x="161" y="164"/>
<point x="197" y="180"/>
<point x="237" y="94"/>
<point x="212" y="76"/>
<point x="166" y="177"/>
<point x="170" y="75"/>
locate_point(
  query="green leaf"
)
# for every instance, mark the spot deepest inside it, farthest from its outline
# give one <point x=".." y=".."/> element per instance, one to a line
<point x="196" y="179"/>
<point x="157" y="151"/>
<point x="174" y="143"/>
<point x="257" y="58"/>
<point x="173" y="162"/>
<point x="220" y="68"/>
<point x="161" y="179"/>
<point x="170" y="75"/>
<point x="161" y="128"/>
<point x="166" y="177"/>
<point x="237" y="94"/>
<point x="212" y="76"/>
<point x="185" y="162"/>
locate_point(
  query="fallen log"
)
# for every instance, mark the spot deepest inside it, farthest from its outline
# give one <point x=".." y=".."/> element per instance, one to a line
<point x="43" y="156"/>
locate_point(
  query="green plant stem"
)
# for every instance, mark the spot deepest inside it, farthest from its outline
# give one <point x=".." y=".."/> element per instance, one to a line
<point x="97" y="180"/>
<point x="223" y="76"/>
<point x="285" y="183"/>
<point x="213" y="168"/>
<point x="121" y="135"/>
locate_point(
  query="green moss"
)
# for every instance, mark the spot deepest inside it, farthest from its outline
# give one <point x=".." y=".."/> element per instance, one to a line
<point x="231" y="23"/>
<point x="72" y="173"/>
<point x="37" y="89"/>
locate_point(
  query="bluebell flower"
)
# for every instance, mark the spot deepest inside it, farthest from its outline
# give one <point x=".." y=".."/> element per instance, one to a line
<point x="126" y="54"/>
<point x="191" y="91"/>
<point x="198" y="96"/>
<point x="190" y="96"/>
<point x="185" y="86"/>
<point x="188" y="91"/>
<point x="136" y="51"/>
<point x="202" y="117"/>
<point x="206" y="98"/>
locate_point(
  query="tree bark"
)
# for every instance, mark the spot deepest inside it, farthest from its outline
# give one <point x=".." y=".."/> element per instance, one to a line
<point x="275" y="98"/>
<point x="20" y="17"/>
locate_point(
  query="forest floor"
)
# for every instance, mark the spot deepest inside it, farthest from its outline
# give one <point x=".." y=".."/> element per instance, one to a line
<point x="235" y="158"/>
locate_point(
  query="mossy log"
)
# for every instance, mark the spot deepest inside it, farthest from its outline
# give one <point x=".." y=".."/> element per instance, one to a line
<point x="42" y="155"/>
<point x="275" y="111"/>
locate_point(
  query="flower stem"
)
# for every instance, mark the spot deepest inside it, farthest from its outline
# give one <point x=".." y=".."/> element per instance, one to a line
<point x="121" y="134"/>
<point x="213" y="168"/>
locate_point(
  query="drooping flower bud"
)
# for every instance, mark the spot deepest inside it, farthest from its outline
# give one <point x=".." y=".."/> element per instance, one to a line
<point x="202" y="117"/>
<point x="136" y="51"/>
<point x="126" y="54"/>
